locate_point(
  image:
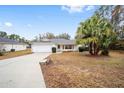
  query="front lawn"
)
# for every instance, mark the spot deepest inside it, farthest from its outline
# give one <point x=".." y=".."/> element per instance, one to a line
<point x="15" y="54"/>
<point x="75" y="69"/>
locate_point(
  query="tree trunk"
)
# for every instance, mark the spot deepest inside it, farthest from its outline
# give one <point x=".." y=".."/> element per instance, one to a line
<point x="91" y="48"/>
<point x="96" y="49"/>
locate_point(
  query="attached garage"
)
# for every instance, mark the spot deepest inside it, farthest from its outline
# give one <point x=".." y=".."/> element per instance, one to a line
<point x="42" y="47"/>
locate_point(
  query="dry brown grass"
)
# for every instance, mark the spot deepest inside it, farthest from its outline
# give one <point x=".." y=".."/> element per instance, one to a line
<point x="15" y="54"/>
<point x="75" y="69"/>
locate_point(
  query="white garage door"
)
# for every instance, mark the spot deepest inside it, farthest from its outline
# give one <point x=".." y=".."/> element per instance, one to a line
<point x="42" y="48"/>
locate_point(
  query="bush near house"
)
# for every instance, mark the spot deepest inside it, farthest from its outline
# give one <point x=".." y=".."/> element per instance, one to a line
<point x="12" y="50"/>
<point x="119" y="45"/>
<point x="53" y="49"/>
<point x="81" y="49"/>
<point x="2" y="52"/>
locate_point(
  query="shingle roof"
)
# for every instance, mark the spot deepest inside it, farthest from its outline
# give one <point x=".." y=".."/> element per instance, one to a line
<point x="62" y="41"/>
<point x="10" y="41"/>
<point x="56" y="41"/>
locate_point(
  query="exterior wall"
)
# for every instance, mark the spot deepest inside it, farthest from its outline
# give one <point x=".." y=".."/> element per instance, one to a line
<point x="63" y="46"/>
<point x="2" y="46"/>
<point x="47" y="47"/>
<point x="17" y="47"/>
<point x="75" y="48"/>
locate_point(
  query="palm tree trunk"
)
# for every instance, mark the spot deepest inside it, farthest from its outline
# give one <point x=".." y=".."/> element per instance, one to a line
<point x="91" y="48"/>
<point x="96" y="49"/>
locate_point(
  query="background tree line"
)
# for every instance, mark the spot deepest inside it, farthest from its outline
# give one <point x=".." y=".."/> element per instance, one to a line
<point x="13" y="37"/>
<point x="49" y="35"/>
<point x="46" y="35"/>
<point x="105" y="27"/>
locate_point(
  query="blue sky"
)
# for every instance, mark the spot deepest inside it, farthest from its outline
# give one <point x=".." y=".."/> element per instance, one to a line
<point x="29" y="21"/>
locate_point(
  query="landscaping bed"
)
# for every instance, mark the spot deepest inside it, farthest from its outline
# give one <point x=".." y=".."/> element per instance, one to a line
<point x="73" y="69"/>
<point x="15" y="54"/>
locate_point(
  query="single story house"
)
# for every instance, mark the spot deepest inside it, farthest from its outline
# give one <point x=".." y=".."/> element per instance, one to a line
<point x="8" y="44"/>
<point x="60" y="44"/>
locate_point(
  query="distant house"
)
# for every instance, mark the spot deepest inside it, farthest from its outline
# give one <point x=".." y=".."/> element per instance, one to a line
<point x="60" y="44"/>
<point x="8" y="44"/>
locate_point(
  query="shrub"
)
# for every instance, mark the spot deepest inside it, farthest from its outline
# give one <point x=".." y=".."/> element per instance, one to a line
<point x="105" y="52"/>
<point x="12" y="50"/>
<point x="81" y="49"/>
<point x="53" y="49"/>
<point x="2" y="52"/>
<point x="119" y="45"/>
<point x="86" y="48"/>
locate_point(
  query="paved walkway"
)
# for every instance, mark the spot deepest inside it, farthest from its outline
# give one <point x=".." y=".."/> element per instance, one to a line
<point x="22" y="72"/>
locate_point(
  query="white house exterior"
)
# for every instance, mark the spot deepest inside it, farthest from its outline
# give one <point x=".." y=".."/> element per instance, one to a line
<point x="60" y="44"/>
<point x="8" y="44"/>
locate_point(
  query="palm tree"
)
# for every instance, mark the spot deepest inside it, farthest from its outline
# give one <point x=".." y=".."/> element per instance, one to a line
<point x="87" y="34"/>
<point x="97" y="32"/>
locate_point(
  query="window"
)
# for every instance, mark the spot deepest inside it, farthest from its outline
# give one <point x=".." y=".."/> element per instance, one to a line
<point x="68" y="46"/>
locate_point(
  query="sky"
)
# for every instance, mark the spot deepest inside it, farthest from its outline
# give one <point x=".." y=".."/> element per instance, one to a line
<point x="31" y="20"/>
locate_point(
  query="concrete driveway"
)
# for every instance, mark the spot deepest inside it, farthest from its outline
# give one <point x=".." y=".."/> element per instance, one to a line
<point x="22" y="72"/>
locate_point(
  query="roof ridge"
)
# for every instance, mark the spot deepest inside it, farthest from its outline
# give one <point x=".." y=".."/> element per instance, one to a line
<point x="7" y="40"/>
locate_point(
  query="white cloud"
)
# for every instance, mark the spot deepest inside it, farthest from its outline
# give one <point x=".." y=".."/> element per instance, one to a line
<point x="72" y="8"/>
<point x="8" y="24"/>
<point x="29" y="25"/>
<point x="90" y="7"/>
